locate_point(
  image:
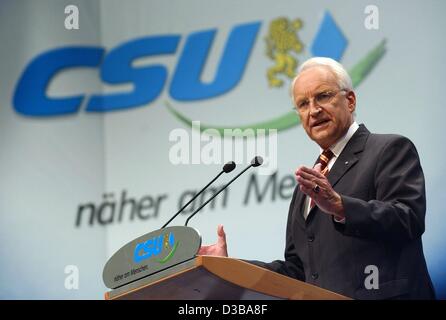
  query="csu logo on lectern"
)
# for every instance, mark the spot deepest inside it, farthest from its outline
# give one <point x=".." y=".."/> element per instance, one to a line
<point x="116" y="68"/>
<point x="154" y="247"/>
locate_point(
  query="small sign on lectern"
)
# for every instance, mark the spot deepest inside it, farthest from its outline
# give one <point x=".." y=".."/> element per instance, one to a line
<point x="151" y="253"/>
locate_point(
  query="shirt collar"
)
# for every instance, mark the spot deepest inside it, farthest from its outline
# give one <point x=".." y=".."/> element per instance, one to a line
<point x="341" y="143"/>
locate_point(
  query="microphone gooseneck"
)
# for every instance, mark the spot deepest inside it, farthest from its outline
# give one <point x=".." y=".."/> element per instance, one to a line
<point x="228" y="167"/>
<point x="255" y="162"/>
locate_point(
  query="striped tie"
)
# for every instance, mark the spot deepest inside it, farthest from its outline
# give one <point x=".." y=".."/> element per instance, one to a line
<point x="323" y="159"/>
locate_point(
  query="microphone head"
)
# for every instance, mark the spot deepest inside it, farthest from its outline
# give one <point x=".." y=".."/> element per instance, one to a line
<point x="257" y="161"/>
<point x="228" y="167"/>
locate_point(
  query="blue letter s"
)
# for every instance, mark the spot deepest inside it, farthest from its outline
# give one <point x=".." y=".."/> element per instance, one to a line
<point x="148" y="81"/>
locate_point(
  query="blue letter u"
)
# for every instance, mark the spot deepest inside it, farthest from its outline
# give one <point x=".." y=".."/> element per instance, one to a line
<point x="186" y="84"/>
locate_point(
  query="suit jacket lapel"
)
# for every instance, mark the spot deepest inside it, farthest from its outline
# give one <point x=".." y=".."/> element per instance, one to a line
<point x="299" y="209"/>
<point x="348" y="157"/>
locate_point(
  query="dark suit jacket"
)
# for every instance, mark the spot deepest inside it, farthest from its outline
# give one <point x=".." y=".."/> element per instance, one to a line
<point x="381" y="182"/>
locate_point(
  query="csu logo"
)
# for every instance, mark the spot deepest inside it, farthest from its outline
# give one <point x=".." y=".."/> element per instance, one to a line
<point x="282" y="46"/>
<point x="154" y="247"/>
<point x="148" y="82"/>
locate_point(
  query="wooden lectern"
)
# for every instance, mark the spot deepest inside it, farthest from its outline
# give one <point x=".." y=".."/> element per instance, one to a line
<point x="219" y="278"/>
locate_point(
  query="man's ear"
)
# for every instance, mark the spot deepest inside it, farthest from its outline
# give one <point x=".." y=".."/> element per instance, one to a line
<point x="351" y="97"/>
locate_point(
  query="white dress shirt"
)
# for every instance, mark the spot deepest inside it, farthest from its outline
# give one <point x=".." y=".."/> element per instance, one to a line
<point x="336" y="149"/>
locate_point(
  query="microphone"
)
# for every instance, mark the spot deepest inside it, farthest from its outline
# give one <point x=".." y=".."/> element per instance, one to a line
<point x="228" y="167"/>
<point x="255" y="162"/>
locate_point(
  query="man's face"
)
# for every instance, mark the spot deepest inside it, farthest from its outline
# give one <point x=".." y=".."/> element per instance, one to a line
<point x="325" y="111"/>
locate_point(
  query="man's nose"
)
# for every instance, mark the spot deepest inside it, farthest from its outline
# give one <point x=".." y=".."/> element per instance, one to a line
<point x="314" y="108"/>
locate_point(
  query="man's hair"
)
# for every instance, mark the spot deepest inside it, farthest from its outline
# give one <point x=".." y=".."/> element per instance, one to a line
<point x="343" y="79"/>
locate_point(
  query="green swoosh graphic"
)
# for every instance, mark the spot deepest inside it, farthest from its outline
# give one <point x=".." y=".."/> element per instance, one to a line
<point x="290" y="119"/>
<point x="360" y="71"/>
<point x="285" y="121"/>
<point x="170" y="255"/>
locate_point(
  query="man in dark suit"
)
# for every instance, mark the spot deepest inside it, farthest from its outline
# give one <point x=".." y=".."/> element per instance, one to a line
<point x="356" y="218"/>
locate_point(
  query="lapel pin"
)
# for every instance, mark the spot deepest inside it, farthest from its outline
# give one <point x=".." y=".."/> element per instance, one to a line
<point x="346" y="163"/>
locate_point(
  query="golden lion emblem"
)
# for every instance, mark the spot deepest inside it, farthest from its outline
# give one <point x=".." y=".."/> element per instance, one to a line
<point x="281" y="40"/>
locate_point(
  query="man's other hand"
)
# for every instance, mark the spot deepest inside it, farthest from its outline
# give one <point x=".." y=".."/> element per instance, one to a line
<point x="325" y="197"/>
<point x="217" y="249"/>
